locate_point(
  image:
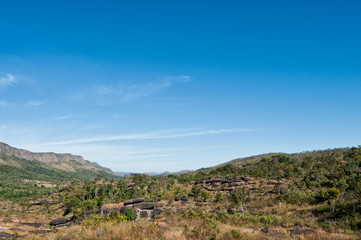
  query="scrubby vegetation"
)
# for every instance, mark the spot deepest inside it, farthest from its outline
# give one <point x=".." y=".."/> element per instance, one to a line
<point x="315" y="195"/>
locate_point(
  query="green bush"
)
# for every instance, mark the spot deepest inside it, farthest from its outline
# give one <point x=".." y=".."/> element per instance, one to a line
<point x="71" y="202"/>
<point x="298" y="197"/>
<point x="333" y="193"/>
<point x="268" y="219"/>
<point x="131" y="214"/>
<point x="330" y="194"/>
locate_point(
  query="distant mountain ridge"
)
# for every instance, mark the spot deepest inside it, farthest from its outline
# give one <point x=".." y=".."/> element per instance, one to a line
<point x="45" y="157"/>
<point x="22" y="165"/>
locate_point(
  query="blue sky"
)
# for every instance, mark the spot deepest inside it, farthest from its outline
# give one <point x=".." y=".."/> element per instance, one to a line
<point x="146" y="86"/>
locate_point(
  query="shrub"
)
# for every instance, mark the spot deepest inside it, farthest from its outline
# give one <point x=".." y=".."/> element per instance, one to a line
<point x="268" y="219"/>
<point x="333" y="193"/>
<point x="298" y="197"/>
<point x="330" y="194"/>
<point x="71" y="203"/>
<point x="131" y="214"/>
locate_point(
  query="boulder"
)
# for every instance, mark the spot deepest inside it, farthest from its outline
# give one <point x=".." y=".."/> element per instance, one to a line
<point x="157" y="211"/>
<point x="63" y="189"/>
<point x="246" y="179"/>
<point x="274" y="191"/>
<point x="61" y="221"/>
<point x="39" y="202"/>
<point x="184" y="198"/>
<point x="217" y="211"/>
<point x="284" y="191"/>
<point x="209" y="189"/>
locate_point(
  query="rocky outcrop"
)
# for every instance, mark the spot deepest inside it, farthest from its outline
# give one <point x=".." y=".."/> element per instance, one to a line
<point x="183" y="198"/>
<point x="230" y="184"/>
<point x="41" y="157"/>
<point x="145" y="210"/>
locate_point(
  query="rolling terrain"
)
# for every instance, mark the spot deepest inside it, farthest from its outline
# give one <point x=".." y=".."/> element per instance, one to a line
<point x="310" y="195"/>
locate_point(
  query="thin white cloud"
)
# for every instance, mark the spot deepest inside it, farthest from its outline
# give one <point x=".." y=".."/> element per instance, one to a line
<point x="150" y="135"/>
<point x="35" y="103"/>
<point x="105" y="94"/>
<point x="64" y="117"/>
<point x="142" y="90"/>
<point x="4" y="104"/>
<point x="7" y="80"/>
<point x="144" y="156"/>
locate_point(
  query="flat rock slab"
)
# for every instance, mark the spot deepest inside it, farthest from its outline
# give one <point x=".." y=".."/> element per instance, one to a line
<point x="134" y="201"/>
<point x="36" y="225"/>
<point x="4" y="235"/>
<point x="40" y="202"/>
<point x="17" y="229"/>
<point x="60" y="221"/>
<point x="40" y="231"/>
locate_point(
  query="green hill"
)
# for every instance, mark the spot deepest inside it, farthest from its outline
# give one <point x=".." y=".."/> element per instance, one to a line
<point x="20" y="177"/>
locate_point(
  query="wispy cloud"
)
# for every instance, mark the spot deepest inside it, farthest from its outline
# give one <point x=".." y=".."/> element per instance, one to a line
<point x="4" y="104"/>
<point x="117" y="116"/>
<point x="104" y="94"/>
<point x="142" y="90"/>
<point x="35" y="103"/>
<point x="150" y="135"/>
<point x="7" y="80"/>
<point x="64" y="117"/>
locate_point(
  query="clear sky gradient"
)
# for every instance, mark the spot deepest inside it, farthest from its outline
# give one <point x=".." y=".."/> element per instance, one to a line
<point x="146" y="86"/>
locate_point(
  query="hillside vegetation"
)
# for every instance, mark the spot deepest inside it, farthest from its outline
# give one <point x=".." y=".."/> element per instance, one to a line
<point x="23" y="179"/>
<point x="312" y="195"/>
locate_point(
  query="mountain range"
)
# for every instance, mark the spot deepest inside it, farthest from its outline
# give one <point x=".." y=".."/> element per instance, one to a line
<point x="22" y="165"/>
